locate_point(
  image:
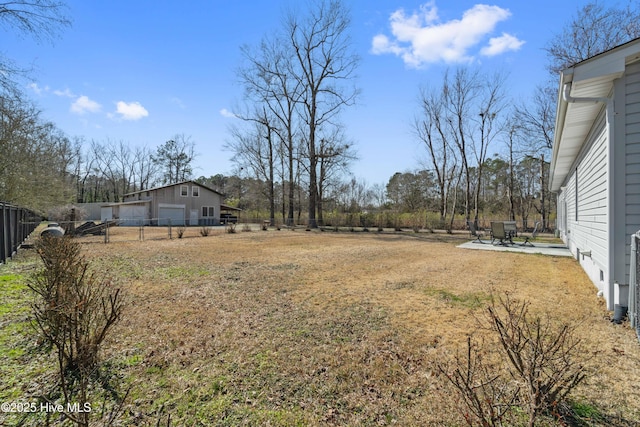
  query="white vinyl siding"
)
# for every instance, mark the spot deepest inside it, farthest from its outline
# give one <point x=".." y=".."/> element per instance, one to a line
<point x="586" y="199"/>
<point x="632" y="155"/>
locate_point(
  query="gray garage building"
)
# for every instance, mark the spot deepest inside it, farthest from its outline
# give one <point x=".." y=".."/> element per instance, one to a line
<point x="183" y="203"/>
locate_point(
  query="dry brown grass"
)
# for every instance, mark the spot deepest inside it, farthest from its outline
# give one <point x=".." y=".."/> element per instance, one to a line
<point x="322" y="328"/>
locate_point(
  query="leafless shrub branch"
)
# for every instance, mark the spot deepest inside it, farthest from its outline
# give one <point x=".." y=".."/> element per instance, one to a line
<point x="74" y="310"/>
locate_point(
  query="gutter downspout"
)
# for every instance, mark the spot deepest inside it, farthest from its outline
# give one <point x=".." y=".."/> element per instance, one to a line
<point x="632" y="282"/>
<point x="566" y="90"/>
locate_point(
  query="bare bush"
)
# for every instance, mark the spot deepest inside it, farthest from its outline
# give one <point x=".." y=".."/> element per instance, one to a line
<point x="538" y="366"/>
<point x="74" y="310"/>
<point x="230" y="228"/>
<point x="205" y="231"/>
<point x="542" y="357"/>
<point x="486" y="395"/>
<point x="181" y="230"/>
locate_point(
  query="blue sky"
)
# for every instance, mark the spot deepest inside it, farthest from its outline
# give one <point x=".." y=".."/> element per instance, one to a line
<point x="144" y="71"/>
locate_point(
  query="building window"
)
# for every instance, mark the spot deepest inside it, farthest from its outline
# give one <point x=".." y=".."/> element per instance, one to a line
<point x="208" y="211"/>
<point x="195" y="191"/>
<point x="211" y="211"/>
<point x="184" y="190"/>
<point x="204" y="211"/>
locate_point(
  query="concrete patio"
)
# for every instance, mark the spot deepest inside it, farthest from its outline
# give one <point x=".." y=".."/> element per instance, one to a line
<point x="553" y="249"/>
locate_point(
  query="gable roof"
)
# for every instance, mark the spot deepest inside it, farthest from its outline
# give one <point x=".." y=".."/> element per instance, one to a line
<point x="592" y="78"/>
<point x="175" y="184"/>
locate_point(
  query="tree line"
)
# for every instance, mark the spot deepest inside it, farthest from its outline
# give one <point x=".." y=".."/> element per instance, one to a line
<point x="508" y="191"/>
<point x="485" y="154"/>
<point x="292" y="133"/>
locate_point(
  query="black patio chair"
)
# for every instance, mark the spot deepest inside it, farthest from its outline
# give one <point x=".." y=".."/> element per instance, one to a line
<point x="499" y="234"/>
<point x="534" y="234"/>
<point x="474" y="232"/>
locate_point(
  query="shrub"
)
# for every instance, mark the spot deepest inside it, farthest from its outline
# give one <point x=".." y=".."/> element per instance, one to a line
<point x="230" y="228"/>
<point x="180" y="231"/>
<point x="74" y="310"/>
<point x="538" y="366"/>
<point x="205" y="231"/>
<point x="542" y="357"/>
<point x="486" y="396"/>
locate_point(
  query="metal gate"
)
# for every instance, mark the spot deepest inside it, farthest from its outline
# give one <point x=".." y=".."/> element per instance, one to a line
<point x="634" y="286"/>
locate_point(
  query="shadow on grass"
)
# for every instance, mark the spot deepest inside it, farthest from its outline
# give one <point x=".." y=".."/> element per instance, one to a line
<point x="581" y="414"/>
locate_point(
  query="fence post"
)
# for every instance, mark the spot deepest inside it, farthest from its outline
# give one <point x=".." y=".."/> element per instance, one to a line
<point x="3" y="230"/>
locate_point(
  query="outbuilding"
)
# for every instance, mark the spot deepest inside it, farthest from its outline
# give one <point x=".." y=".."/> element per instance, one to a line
<point x="180" y="204"/>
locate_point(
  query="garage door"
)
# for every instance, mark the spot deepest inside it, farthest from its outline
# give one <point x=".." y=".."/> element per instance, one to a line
<point x="173" y="215"/>
<point x="132" y="214"/>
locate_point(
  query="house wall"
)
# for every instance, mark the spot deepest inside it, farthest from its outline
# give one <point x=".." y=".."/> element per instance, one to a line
<point x="631" y="90"/>
<point x="584" y="212"/>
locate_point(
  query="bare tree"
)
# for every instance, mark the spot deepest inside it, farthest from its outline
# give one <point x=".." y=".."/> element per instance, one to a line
<point x="461" y="116"/>
<point x="460" y="94"/>
<point x="40" y="19"/>
<point x="174" y="159"/>
<point x="491" y="105"/>
<point x="267" y="79"/>
<point x="536" y="121"/>
<point x="112" y="161"/>
<point x="301" y="77"/>
<point x="431" y="129"/>
<point x="335" y="153"/>
<point x="323" y="65"/>
<point x="595" y="28"/>
<point x="354" y="195"/>
<point x="257" y="151"/>
<point x="35" y="155"/>
<point x="145" y="169"/>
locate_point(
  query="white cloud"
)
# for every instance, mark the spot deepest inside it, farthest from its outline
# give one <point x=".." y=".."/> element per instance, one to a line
<point x="37" y="89"/>
<point x="66" y="93"/>
<point x="226" y="113"/>
<point x="131" y="110"/>
<point x="420" y="38"/>
<point x="498" y="45"/>
<point x="85" y="105"/>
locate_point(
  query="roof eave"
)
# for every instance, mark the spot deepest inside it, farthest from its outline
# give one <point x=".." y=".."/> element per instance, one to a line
<point x="591" y="78"/>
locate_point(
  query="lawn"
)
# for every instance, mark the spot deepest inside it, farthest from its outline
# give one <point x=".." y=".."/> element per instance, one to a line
<point x="315" y="328"/>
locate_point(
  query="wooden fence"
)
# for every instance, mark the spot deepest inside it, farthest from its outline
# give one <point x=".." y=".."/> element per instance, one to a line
<point x="16" y="224"/>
